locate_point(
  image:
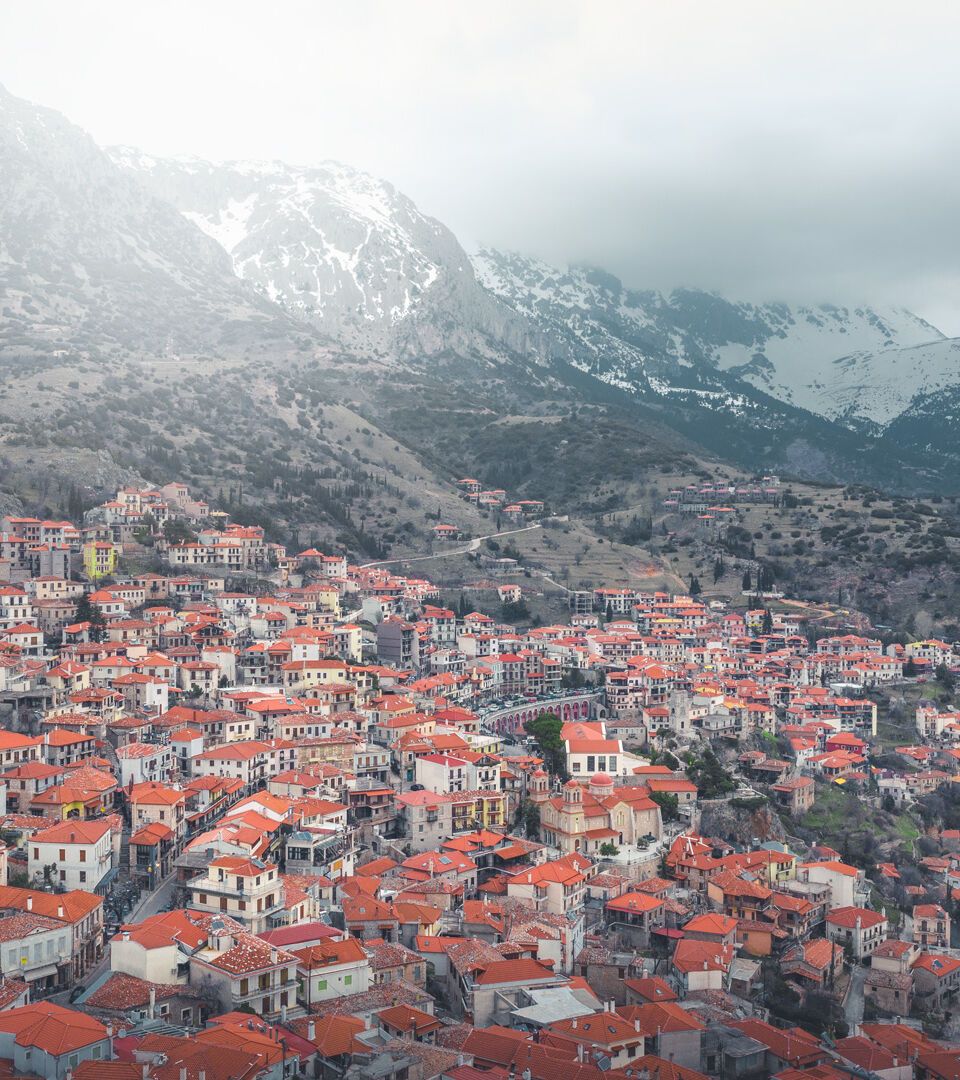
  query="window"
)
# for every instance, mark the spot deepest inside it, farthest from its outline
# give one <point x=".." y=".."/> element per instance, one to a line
<point x="83" y="875"/>
<point x="83" y="856"/>
<point x="347" y="980"/>
<point x="321" y="984"/>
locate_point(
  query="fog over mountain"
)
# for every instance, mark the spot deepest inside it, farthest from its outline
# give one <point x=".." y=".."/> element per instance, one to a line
<point x="793" y="164"/>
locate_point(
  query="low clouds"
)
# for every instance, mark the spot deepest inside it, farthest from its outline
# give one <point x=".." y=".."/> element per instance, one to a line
<point x="769" y="151"/>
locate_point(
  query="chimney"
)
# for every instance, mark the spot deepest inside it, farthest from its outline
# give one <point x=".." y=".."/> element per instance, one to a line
<point x="573" y="1024"/>
<point x="59" y="911"/>
<point x="580" y="1052"/>
<point x="183" y="1072"/>
<point x="29" y="903"/>
<point x="636" y="1026"/>
<point x="153" y="1003"/>
<point x="202" y="1074"/>
<point x="311" y="1030"/>
<point x="146" y="1070"/>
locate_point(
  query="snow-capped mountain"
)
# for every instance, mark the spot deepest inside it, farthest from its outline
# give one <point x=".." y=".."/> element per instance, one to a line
<point x="338" y="248"/>
<point x="847" y="364"/>
<point x="88" y="256"/>
<point x="852" y="364"/>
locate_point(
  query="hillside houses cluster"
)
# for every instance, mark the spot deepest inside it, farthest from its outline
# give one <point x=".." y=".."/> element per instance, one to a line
<point x="719" y="495"/>
<point x="496" y="500"/>
<point x="352" y="861"/>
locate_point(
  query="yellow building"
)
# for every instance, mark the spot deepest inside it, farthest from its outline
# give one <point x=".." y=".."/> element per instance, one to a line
<point x="99" y="559"/>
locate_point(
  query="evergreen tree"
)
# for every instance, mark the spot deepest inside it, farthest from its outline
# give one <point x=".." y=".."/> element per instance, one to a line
<point x="718" y="569"/>
<point x="747" y="583"/>
<point x="766" y="624"/>
<point x="546" y="729"/>
<point x="695" y="589"/>
<point x="90" y="613"/>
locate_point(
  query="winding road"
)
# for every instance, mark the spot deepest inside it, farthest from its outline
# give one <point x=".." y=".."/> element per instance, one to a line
<point x="471" y="545"/>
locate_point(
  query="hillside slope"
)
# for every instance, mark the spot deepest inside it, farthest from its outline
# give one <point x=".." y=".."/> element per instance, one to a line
<point x="854" y="364"/>
<point x="90" y="262"/>
<point x="342" y="250"/>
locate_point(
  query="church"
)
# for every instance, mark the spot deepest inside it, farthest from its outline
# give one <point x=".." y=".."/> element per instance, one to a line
<point x="585" y="816"/>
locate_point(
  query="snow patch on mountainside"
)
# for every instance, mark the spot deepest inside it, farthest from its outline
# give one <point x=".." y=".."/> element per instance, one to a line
<point x="839" y="361"/>
<point x="329" y="242"/>
<point x="343" y="250"/>
<point x="853" y="364"/>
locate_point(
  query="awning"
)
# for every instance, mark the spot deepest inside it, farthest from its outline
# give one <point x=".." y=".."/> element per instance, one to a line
<point x="41" y="973"/>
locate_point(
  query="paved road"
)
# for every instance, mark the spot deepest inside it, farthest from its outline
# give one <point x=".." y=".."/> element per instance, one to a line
<point x="149" y="905"/>
<point x="853" y="1005"/>
<point x="544" y="576"/>
<point x="471" y="545"/>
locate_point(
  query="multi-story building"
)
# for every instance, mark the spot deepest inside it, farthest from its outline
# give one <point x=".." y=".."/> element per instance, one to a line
<point x="241" y="971"/>
<point x="859" y="929"/>
<point x="80" y="853"/>
<point x="247" y="890"/>
<point x="931" y="926"/>
<point x="152" y="801"/>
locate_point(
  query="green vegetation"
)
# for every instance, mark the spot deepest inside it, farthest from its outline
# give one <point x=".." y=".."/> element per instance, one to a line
<point x="530" y="816"/>
<point x="91" y="613"/>
<point x="711" y="778"/>
<point x="546" y="729"/>
<point x="669" y="805"/>
<point x="515" y="612"/>
<point x="861" y="831"/>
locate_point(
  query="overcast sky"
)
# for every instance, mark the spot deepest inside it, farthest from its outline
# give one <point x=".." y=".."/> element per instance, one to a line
<point x="773" y="150"/>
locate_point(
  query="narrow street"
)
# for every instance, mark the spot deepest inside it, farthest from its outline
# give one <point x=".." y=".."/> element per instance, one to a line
<point x="151" y="904"/>
<point x="853" y="1003"/>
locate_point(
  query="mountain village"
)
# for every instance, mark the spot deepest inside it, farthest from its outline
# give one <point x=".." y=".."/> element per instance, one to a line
<point x="323" y="825"/>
